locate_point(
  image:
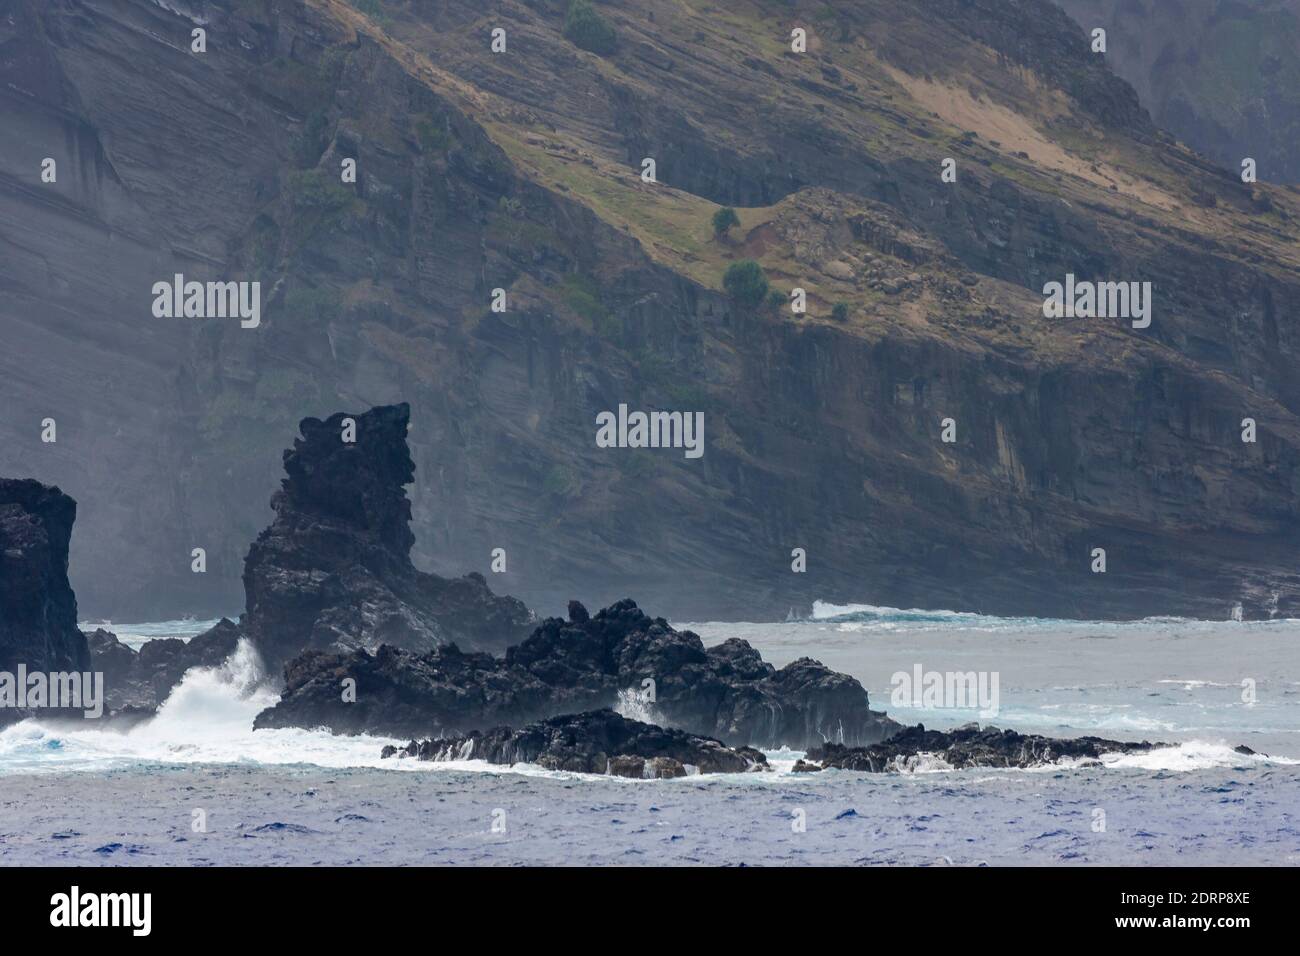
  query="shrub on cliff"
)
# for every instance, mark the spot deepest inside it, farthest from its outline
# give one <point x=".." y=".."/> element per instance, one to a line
<point x="840" y="312"/>
<point x="588" y="30"/>
<point x="723" y="220"/>
<point x="745" y="282"/>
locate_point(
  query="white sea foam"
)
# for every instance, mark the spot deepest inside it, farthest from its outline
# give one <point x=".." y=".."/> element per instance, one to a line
<point x="921" y="763"/>
<point x="1180" y="758"/>
<point x="207" y="719"/>
<point x="1192" y="755"/>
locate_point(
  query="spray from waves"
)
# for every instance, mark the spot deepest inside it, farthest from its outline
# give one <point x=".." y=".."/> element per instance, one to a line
<point x="207" y="719"/>
<point x="634" y="705"/>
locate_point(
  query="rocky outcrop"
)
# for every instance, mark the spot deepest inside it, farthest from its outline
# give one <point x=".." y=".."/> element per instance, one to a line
<point x="618" y="657"/>
<point x="333" y="571"/>
<point x="136" y="682"/>
<point x="968" y="746"/>
<point x="38" y="611"/>
<point x="595" y="742"/>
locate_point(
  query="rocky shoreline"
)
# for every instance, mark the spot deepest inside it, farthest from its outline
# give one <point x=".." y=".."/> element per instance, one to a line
<point x="370" y="645"/>
<point x="600" y="742"/>
<point x="963" y="748"/>
<point x="726" y="692"/>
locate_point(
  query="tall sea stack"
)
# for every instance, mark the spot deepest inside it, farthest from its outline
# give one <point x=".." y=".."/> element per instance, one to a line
<point x="333" y="570"/>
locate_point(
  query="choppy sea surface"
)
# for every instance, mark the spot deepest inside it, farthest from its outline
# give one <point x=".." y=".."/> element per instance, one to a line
<point x="196" y="785"/>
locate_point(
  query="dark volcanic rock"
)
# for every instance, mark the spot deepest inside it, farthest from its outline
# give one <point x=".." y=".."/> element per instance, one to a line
<point x="599" y="741"/>
<point x="38" y="611"/>
<point x="138" y="681"/>
<point x="968" y="746"/>
<point x="727" y="692"/>
<point x="334" y="569"/>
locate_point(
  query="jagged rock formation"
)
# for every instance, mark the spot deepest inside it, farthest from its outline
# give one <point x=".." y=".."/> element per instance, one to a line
<point x="38" y="611"/>
<point x="596" y="742"/>
<point x="333" y="570"/>
<point x="725" y="692"/>
<point x="520" y="172"/>
<point x="136" y="682"/>
<point x="968" y="746"/>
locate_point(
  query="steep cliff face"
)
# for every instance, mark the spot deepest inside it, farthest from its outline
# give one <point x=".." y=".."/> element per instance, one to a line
<point x="1222" y="75"/>
<point x="334" y="570"/>
<point x="38" y="611"/>
<point x="521" y="171"/>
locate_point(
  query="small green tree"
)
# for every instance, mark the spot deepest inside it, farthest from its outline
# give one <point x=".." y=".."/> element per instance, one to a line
<point x="723" y="221"/>
<point x="745" y="282"/>
<point x="840" y="312"/>
<point x="588" y="30"/>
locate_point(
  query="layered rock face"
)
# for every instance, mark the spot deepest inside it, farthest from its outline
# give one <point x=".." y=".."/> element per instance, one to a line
<point x="38" y="611"/>
<point x="334" y="571"/>
<point x="725" y="692"/>
<point x="969" y="746"/>
<point x="520" y="172"/>
<point x="596" y="742"/>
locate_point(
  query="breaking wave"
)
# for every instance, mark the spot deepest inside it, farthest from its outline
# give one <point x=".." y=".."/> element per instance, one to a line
<point x="888" y="618"/>
<point x="208" y="719"/>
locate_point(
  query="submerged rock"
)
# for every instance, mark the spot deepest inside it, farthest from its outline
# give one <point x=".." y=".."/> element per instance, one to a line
<point x="333" y="570"/>
<point x="618" y="657"/>
<point x="968" y="746"/>
<point x="598" y="741"/>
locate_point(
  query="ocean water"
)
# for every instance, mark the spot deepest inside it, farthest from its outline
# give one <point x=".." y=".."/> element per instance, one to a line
<point x="196" y="785"/>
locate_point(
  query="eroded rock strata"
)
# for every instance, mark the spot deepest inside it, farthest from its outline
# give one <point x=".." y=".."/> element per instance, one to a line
<point x="598" y="741"/>
<point x="519" y="172"/>
<point x="968" y="746"/>
<point x="579" y="664"/>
